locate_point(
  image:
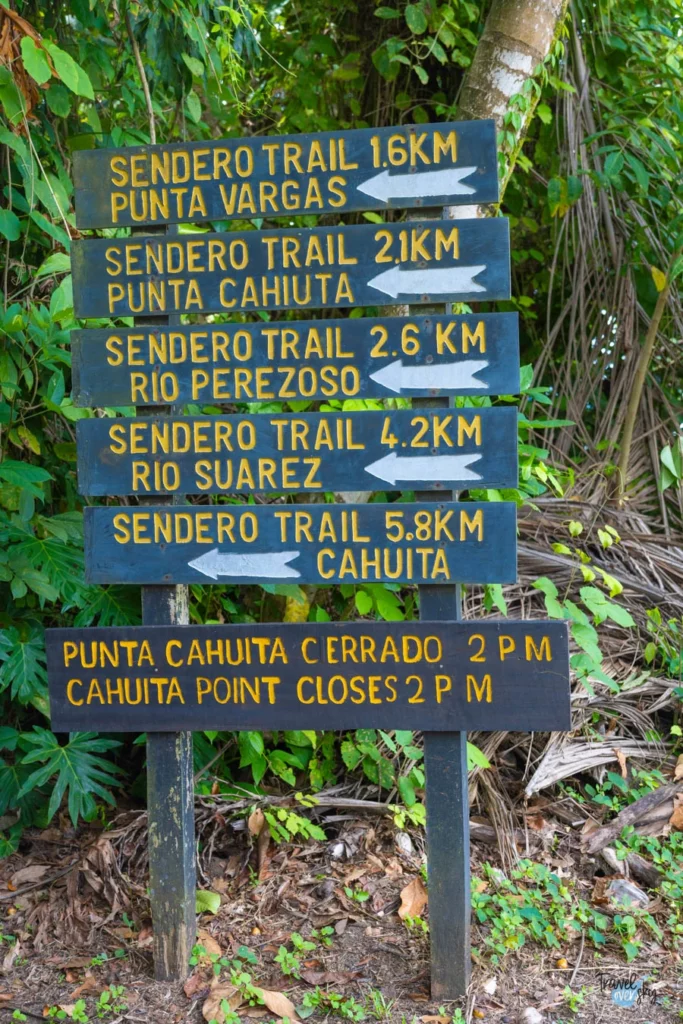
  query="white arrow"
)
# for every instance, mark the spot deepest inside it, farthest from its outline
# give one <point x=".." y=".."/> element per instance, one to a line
<point x="391" y="468"/>
<point x="409" y="280"/>
<point x="439" y="376"/>
<point x="446" y="182"/>
<point x="269" y="564"/>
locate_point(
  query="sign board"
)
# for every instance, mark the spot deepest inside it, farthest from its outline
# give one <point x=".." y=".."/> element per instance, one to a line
<point x="324" y="172"/>
<point x="293" y="268"/>
<point x="467" y="542"/>
<point x="310" y="359"/>
<point x="440" y="676"/>
<point x="451" y="449"/>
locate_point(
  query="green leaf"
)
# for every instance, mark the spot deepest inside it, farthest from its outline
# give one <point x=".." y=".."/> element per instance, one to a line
<point x="421" y="73"/>
<point x="58" y="100"/>
<point x="56" y="263"/>
<point x="415" y="19"/>
<point x="80" y="772"/>
<point x="207" y="901"/>
<point x="71" y="73"/>
<point x="407" y="791"/>
<point x="544" y="112"/>
<point x="194" y="64"/>
<point x="194" y="106"/>
<point x="23" y="474"/>
<point x="387" y="12"/>
<point x="363" y="602"/>
<point x="351" y="755"/>
<point x="35" y="61"/>
<point x="476" y="758"/>
<point x="22" y="665"/>
<point x="10" y="225"/>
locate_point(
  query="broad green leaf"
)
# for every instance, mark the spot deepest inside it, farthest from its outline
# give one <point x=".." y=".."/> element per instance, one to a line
<point x="476" y="758"/>
<point x="35" y="61"/>
<point x="363" y="602"/>
<point x="10" y="225"/>
<point x="207" y="901"/>
<point x="71" y="73"/>
<point x="194" y="106"/>
<point x="56" y="263"/>
<point x="416" y="19"/>
<point x="59" y="100"/>
<point x="194" y="64"/>
<point x="23" y="474"/>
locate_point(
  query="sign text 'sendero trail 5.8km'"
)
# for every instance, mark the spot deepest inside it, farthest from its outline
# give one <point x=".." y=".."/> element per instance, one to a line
<point x="440" y="676"/>
<point x="327" y="172"/>
<point x="314" y="359"/>
<point x="437" y="542"/>
<point x="309" y="268"/>
<point x="289" y="452"/>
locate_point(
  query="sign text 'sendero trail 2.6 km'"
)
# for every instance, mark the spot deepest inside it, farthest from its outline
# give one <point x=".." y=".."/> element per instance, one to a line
<point x="327" y="172"/>
<point x="467" y="542"/>
<point x="292" y="268"/>
<point x="288" y="452"/>
<point x="313" y="359"/>
<point x="440" y="676"/>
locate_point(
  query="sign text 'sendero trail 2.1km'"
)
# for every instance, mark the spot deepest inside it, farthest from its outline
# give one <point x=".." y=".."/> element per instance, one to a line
<point x="313" y="359"/>
<point x="327" y="172"/>
<point x="468" y="542"/>
<point x="441" y="676"/>
<point x="307" y="268"/>
<point x="289" y="452"/>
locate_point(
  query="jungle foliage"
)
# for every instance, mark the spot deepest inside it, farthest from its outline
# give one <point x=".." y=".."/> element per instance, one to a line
<point x="69" y="80"/>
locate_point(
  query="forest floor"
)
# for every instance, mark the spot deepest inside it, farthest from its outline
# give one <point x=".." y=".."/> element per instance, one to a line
<point x="74" y="923"/>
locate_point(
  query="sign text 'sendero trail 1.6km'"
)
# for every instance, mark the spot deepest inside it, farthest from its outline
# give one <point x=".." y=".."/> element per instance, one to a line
<point x="440" y="676"/>
<point x="467" y="542"/>
<point x="327" y="172"/>
<point x="293" y="268"/>
<point x="289" y="452"/>
<point x="310" y="359"/>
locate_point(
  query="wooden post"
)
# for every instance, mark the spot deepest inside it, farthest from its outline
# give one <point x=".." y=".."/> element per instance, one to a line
<point x="445" y="760"/>
<point x="170" y="789"/>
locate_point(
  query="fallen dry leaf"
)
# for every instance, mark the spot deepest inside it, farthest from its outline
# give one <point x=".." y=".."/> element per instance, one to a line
<point x="328" y="977"/>
<point x="678" y="770"/>
<point x="490" y="986"/>
<point x="195" y="983"/>
<point x="277" y="1002"/>
<point x="211" y="1010"/>
<point x="676" y="819"/>
<point x="10" y="956"/>
<point x="256" y="1011"/>
<point x="74" y="962"/>
<point x="90" y="986"/>
<point x="6" y="997"/>
<point x="207" y="940"/>
<point x="256" y="821"/>
<point x="413" y="899"/>
<point x="622" y="762"/>
<point x="355" y="873"/>
<point x="435" y="1019"/>
<point x="25" y="876"/>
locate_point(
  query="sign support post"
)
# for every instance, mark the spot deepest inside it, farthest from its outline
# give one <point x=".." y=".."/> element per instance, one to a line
<point x="446" y="796"/>
<point x="170" y="786"/>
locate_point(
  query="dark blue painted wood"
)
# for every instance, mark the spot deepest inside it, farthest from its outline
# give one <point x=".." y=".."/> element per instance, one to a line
<point x="250" y="270"/>
<point x="270" y="543"/>
<point x="291" y="453"/>
<point x="312" y="676"/>
<point x="309" y="359"/>
<point x="248" y="177"/>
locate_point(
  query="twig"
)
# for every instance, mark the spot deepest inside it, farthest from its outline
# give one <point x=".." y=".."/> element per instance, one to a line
<point x="143" y="79"/>
<point x="578" y="959"/>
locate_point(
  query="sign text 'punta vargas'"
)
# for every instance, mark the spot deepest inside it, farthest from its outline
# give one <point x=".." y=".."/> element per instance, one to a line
<point x="441" y="676"/>
<point x="326" y="172"/>
<point x="307" y="268"/>
<point x="314" y="359"/>
<point x="467" y="542"/>
<point x="288" y="452"/>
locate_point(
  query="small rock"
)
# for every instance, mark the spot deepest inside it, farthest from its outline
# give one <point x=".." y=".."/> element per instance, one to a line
<point x="531" y="1016"/>
<point x="404" y="843"/>
<point x="623" y="892"/>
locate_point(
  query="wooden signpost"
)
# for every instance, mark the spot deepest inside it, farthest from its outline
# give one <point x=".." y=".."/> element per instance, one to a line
<point x="291" y="452"/>
<point x="470" y="541"/>
<point x="437" y="676"/>
<point x="292" y="268"/>
<point x="166" y="678"/>
<point x="310" y="359"/>
<point x="326" y="172"/>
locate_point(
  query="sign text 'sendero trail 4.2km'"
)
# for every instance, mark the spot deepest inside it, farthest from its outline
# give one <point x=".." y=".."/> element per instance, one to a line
<point x="308" y="268"/>
<point x="313" y="359"/>
<point x="468" y="542"/>
<point x="440" y="676"/>
<point x="327" y="172"/>
<point x="289" y="452"/>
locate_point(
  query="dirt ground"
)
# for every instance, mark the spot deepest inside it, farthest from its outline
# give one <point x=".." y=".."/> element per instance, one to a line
<point x="76" y="904"/>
